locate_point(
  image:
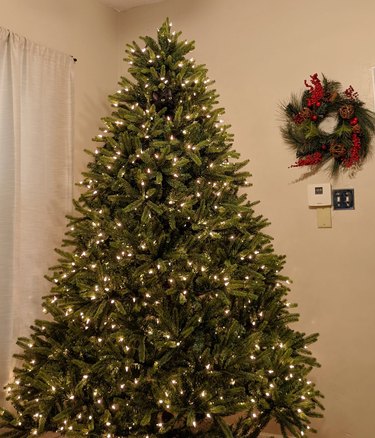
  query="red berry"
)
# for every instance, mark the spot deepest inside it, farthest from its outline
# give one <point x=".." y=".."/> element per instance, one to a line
<point x="314" y="117"/>
<point x="318" y="104"/>
<point x="354" y="121"/>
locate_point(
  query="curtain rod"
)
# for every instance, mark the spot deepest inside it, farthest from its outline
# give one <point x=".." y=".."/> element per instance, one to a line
<point x="10" y="31"/>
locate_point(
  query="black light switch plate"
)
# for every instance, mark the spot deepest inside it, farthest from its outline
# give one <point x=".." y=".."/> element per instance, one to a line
<point x="343" y="199"/>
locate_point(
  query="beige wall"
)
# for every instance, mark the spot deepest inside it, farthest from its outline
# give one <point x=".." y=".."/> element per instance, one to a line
<point x="87" y="30"/>
<point x="259" y="52"/>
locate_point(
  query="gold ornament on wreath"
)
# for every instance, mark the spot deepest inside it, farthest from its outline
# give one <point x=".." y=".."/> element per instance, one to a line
<point x="347" y="145"/>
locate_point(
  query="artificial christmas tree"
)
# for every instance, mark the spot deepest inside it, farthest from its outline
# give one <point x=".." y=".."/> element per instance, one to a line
<point x="168" y="312"/>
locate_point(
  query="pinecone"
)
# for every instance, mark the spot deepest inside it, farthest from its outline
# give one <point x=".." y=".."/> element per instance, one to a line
<point x="337" y="150"/>
<point x="346" y="111"/>
<point x="356" y="128"/>
<point x="306" y="113"/>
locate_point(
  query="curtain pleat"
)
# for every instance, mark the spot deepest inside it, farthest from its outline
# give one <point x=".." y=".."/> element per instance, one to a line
<point x="36" y="141"/>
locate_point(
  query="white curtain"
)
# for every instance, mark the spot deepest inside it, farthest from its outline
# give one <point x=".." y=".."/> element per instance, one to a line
<point x="36" y="101"/>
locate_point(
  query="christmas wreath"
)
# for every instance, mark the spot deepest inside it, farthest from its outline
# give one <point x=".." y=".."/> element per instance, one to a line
<point x="347" y="145"/>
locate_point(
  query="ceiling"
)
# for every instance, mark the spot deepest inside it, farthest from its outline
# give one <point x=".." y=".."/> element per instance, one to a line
<point x="122" y="5"/>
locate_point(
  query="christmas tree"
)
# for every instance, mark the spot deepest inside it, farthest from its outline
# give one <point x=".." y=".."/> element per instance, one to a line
<point x="167" y="312"/>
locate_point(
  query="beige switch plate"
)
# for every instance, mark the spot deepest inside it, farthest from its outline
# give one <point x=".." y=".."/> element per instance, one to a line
<point x="324" y="217"/>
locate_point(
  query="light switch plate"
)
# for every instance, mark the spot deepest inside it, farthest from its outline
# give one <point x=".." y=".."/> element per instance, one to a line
<point x="343" y="199"/>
